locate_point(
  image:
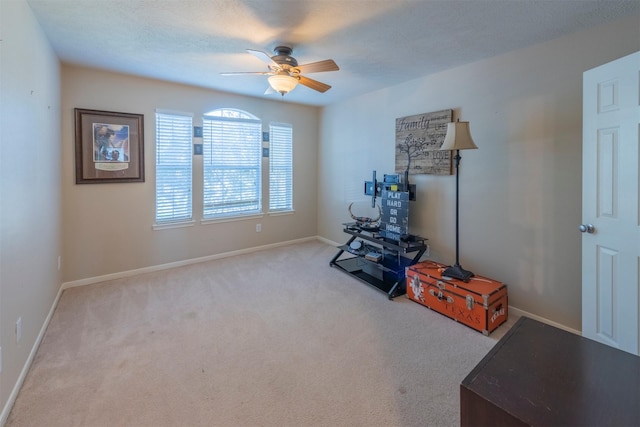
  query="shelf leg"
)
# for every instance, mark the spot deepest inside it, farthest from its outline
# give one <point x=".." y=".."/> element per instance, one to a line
<point x="340" y="251"/>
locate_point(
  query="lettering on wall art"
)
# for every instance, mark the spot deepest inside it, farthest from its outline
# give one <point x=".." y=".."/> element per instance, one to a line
<point x="395" y="214"/>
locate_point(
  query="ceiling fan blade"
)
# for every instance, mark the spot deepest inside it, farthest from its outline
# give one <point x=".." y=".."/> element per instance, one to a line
<point x="262" y="56"/>
<point x="239" y="73"/>
<point x="313" y="84"/>
<point x="317" y="67"/>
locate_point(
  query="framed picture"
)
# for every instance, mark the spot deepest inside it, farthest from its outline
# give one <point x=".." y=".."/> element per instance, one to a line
<point x="109" y="147"/>
<point x="418" y="142"/>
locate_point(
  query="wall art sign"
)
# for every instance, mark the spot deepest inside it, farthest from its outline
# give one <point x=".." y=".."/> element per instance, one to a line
<point x="109" y="147"/>
<point x="395" y="214"/>
<point x="418" y="142"/>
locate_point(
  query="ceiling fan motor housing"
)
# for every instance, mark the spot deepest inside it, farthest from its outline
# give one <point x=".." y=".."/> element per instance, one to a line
<point x="283" y="56"/>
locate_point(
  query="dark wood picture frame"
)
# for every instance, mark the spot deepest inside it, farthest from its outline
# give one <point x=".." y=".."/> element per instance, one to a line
<point x="109" y="147"/>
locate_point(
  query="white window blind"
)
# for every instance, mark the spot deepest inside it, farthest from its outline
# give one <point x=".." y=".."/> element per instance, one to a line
<point x="280" y="167"/>
<point x="232" y="165"/>
<point x="173" y="167"/>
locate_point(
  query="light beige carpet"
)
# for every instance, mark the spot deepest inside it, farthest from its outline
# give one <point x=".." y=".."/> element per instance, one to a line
<point x="272" y="338"/>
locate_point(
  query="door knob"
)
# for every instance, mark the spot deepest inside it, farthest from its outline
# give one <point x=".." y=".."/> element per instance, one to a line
<point x="587" y="228"/>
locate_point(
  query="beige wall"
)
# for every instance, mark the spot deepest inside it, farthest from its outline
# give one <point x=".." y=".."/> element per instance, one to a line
<point x="108" y="227"/>
<point x="520" y="192"/>
<point x="29" y="186"/>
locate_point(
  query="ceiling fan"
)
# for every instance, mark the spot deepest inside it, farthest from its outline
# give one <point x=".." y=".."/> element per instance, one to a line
<point x="285" y="73"/>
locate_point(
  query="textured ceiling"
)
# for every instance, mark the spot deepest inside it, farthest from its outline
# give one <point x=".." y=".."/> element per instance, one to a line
<point x="376" y="43"/>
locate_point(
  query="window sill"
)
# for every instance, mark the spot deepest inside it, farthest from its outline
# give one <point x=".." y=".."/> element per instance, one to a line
<point x="177" y="224"/>
<point x="281" y="213"/>
<point x="206" y="221"/>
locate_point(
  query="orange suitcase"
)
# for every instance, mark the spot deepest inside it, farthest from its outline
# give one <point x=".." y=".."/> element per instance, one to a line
<point x="481" y="304"/>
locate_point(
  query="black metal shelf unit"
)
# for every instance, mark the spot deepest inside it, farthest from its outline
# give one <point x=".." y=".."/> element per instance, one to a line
<point x="378" y="261"/>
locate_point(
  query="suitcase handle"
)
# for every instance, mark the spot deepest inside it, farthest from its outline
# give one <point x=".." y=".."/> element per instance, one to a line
<point x="497" y="312"/>
<point x="440" y="296"/>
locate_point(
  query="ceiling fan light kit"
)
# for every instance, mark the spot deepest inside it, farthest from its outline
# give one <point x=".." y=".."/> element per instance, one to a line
<point x="285" y="73"/>
<point x="283" y="83"/>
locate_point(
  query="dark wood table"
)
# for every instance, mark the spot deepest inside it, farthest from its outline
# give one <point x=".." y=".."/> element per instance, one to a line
<point x="539" y="375"/>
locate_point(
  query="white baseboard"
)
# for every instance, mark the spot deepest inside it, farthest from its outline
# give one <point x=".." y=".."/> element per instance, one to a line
<point x="519" y="313"/>
<point x="27" y="365"/>
<point x="129" y="273"/>
<point x="328" y="242"/>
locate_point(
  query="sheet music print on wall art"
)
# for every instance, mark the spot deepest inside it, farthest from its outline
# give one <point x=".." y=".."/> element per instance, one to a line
<point x="418" y="142"/>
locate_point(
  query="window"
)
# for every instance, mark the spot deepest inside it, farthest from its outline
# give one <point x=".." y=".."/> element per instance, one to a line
<point x="280" y="167"/>
<point x="173" y="167"/>
<point x="232" y="164"/>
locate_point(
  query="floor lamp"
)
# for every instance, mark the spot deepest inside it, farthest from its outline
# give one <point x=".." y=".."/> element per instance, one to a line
<point x="458" y="138"/>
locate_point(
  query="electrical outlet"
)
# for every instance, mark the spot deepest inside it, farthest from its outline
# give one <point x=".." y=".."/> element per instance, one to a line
<point x="18" y="329"/>
<point x="258" y="228"/>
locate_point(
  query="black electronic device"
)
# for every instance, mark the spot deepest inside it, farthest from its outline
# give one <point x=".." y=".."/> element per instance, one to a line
<point x="374" y="187"/>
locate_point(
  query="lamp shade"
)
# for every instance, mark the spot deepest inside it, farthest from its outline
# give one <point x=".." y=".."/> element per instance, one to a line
<point x="283" y="83"/>
<point x="458" y="137"/>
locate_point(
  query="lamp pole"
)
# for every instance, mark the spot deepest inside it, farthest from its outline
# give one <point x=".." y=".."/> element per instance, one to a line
<point x="457" y="159"/>
<point x="456" y="271"/>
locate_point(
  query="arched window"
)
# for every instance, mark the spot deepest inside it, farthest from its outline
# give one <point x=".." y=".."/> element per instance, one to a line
<point x="231" y="113"/>
<point x="232" y="163"/>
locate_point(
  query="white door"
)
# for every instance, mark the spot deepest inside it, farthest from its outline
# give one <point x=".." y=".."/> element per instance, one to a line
<point x="611" y="204"/>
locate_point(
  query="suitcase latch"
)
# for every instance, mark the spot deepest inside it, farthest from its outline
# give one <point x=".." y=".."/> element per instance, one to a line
<point x="470" y="302"/>
<point x="440" y="296"/>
